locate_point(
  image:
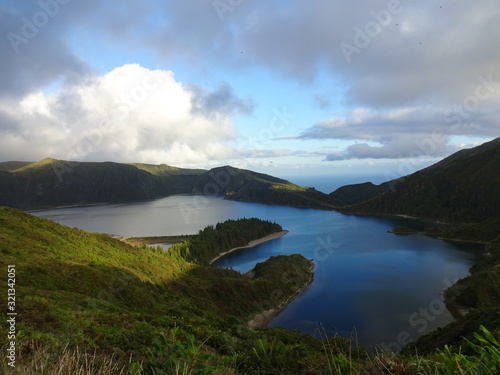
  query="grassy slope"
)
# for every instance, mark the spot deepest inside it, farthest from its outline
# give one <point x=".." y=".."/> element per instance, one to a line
<point x="51" y="183"/>
<point x="243" y="185"/>
<point x="106" y="297"/>
<point x="462" y="188"/>
<point x="13" y="165"/>
<point x="99" y="293"/>
<point x="167" y="170"/>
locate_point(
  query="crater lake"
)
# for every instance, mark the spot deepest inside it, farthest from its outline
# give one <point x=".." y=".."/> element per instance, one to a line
<point x="380" y="288"/>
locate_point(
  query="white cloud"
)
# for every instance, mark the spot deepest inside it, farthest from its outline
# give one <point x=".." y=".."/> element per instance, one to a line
<point x="129" y="114"/>
<point x="426" y="64"/>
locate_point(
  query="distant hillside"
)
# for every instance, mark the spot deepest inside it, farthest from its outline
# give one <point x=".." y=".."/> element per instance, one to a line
<point x="464" y="187"/>
<point x="167" y="170"/>
<point x="352" y="194"/>
<point x="244" y="185"/>
<point x="51" y="183"/>
<point x="13" y="165"/>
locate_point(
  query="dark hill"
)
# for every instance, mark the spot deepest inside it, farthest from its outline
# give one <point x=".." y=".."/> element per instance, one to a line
<point x="13" y="165"/>
<point x="357" y="193"/>
<point x="464" y="187"/>
<point x="244" y="185"/>
<point x="51" y="183"/>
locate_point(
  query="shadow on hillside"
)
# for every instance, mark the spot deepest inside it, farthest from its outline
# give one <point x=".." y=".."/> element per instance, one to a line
<point x="111" y="307"/>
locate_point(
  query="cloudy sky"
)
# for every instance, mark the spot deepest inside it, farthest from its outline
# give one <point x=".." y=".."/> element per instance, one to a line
<point x="283" y="87"/>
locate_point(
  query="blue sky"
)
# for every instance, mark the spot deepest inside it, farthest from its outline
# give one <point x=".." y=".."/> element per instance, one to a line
<point x="290" y="88"/>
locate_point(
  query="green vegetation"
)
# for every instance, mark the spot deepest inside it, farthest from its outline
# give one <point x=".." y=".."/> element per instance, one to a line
<point x="212" y="241"/>
<point x="91" y="304"/>
<point x="13" y="165"/>
<point x="357" y="193"/>
<point x="90" y="292"/>
<point x="156" y="239"/>
<point x="463" y="188"/>
<point x="243" y="185"/>
<point x="167" y="170"/>
<point x="479" y="295"/>
<point x="51" y="183"/>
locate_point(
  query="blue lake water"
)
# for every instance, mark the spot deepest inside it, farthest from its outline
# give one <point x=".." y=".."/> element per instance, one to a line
<point x="382" y="288"/>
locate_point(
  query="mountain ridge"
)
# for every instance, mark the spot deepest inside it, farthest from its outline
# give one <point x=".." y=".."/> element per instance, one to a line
<point x="52" y="183"/>
<point x="462" y="188"/>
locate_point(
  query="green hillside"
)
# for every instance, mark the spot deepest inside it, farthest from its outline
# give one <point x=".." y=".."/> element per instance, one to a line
<point x="90" y="304"/>
<point x="462" y="188"/>
<point x="97" y="293"/>
<point x="352" y="194"/>
<point x="243" y="185"/>
<point x="52" y="183"/>
<point x="13" y="165"/>
<point x="167" y="170"/>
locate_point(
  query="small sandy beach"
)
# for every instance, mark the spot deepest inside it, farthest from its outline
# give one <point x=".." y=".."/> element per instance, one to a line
<point x="253" y="243"/>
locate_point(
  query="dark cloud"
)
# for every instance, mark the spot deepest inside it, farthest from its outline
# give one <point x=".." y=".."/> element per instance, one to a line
<point x="35" y="39"/>
<point x="418" y="69"/>
<point x="417" y="52"/>
<point x="220" y="101"/>
<point x="8" y="125"/>
<point x="34" y="51"/>
<point x="379" y="126"/>
<point x="407" y="53"/>
<point x="193" y="31"/>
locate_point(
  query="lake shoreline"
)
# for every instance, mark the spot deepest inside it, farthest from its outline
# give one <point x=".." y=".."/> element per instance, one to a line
<point x="262" y="319"/>
<point x="253" y="243"/>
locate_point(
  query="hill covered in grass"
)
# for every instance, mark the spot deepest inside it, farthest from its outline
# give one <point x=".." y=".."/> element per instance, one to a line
<point x="244" y="185"/>
<point x="462" y="188"/>
<point x="94" y="292"/>
<point x="91" y="304"/>
<point x="52" y="183"/>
